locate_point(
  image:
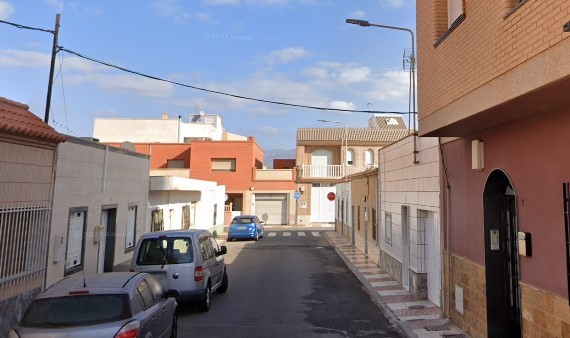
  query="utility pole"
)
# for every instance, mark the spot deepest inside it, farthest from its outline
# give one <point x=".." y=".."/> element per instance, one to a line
<point x="52" y="67"/>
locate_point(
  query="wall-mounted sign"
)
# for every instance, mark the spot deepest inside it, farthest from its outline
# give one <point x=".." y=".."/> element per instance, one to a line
<point x="297" y="195"/>
<point x="303" y="205"/>
<point x="331" y="196"/>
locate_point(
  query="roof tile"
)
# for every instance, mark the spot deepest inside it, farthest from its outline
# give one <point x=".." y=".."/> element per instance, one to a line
<point x="354" y="134"/>
<point x="16" y="119"/>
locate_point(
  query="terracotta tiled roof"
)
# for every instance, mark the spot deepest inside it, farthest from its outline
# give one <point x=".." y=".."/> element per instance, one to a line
<point x="354" y="134"/>
<point x="16" y="119"/>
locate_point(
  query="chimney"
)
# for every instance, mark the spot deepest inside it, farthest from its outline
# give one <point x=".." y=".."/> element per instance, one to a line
<point x="165" y="116"/>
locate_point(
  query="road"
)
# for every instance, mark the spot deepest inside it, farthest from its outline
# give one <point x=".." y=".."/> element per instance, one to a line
<point x="289" y="284"/>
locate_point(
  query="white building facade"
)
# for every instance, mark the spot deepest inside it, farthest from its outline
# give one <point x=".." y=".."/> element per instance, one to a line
<point x="100" y="208"/>
<point x="409" y="217"/>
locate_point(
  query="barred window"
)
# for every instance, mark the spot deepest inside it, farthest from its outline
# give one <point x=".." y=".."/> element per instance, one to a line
<point x="157" y="220"/>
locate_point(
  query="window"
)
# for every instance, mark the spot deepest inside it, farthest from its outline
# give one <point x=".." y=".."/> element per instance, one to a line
<point x="146" y="294"/>
<point x="157" y="220"/>
<point x="206" y="248"/>
<point x="369" y="159"/>
<point x="358" y="217"/>
<point x="350" y="157"/>
<point x="186" y="217"/>
<point x="388" y="228"/>
<point x="454" y="11"/>
<point x="223" y="164"/>
<point x="131" y="227"/>
<point x="374" y="224"/>
<point x="215" y="247"/>
<point x="175" y="164"/>
<point x="75" y="240"/>
<point x="157" y="251"/>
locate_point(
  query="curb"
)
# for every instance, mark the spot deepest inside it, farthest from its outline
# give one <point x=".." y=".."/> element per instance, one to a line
<point x="376" y="298"/>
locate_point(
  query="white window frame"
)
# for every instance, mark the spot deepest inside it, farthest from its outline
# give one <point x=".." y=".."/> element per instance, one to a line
<point x="350" y="157"/>
<point x="369" y="158"/>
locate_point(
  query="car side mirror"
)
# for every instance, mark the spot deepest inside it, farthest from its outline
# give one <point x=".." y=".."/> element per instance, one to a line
<point x="171" y="293"/>
<point x="223" y="250"/>
<point x="260" y="222"/>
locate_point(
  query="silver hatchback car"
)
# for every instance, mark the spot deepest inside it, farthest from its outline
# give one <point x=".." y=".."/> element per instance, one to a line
<point x="114" y="304"/>
<point x="188" y="263"/>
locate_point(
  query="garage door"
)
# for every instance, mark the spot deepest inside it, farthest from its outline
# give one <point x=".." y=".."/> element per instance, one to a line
<point x="271" y="208"/>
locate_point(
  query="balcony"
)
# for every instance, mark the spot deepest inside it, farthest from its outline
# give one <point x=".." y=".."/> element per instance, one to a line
<point x="274" y="175"/>
<point x="329" y="172"/>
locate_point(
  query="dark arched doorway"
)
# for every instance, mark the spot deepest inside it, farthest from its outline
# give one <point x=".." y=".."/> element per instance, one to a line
<point x="501" y="257"/>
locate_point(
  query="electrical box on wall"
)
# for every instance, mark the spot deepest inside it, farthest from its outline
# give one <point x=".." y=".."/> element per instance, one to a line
<point x="58" y="248"/>
<point x="525" y="244"/>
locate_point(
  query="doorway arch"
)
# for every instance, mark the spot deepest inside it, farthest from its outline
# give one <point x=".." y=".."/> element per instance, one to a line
<point x="501" y="257"/>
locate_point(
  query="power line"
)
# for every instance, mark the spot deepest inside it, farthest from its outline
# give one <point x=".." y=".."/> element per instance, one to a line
<point x="223" y="93"/>
<point x="27" y="27"/>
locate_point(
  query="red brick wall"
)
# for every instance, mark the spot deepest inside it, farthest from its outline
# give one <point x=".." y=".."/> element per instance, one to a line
<point x="283" y="163"/>
<point x="484" y="46"/>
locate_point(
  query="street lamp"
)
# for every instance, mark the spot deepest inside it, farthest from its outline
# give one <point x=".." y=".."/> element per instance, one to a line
<point x="364" y="23"/>
<point x="343" y="168"/>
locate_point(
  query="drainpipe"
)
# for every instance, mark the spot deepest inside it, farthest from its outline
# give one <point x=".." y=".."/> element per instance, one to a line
<point x="447" y="208"/>
<point x="104" y="179"/>
<point x="179" y="123"/>
<point x="50" y="217"/>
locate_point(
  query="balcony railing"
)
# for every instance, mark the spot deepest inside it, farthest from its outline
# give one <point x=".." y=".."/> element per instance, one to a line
<point x="335" y="171"/>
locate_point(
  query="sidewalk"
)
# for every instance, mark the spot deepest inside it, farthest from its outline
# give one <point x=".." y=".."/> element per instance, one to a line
<point x="416" y="318"/>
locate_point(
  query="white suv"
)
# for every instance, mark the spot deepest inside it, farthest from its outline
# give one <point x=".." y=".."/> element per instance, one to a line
<point x="188" y="263"/>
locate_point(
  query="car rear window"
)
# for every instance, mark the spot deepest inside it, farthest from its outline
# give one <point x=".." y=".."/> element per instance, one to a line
<point x="242" y="220"/>
<point x="78" y="310"/>
<point x="172" y="250"/>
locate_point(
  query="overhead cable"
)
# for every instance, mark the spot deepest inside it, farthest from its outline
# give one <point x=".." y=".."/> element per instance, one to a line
<point x="223" y="93"/>
<point x="27" y="27"/>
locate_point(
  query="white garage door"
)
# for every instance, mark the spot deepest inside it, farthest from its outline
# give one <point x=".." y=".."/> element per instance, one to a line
<point x="271" y="208"/>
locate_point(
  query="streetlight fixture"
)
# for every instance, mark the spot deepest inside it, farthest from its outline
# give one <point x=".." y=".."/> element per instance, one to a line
<point x="364" y="23"/>
<point x="344" y="174"/>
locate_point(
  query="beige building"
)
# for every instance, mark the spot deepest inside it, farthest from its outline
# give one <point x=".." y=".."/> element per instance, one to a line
<point x="27" y="161"/>
<point x="326" y="155"/>
<point x="100" y="208"/>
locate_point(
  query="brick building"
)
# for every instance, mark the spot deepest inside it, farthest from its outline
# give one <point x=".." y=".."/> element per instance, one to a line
<point x="493" y="84"/>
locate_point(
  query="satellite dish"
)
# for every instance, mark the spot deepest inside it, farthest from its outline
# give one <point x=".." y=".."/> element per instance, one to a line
<point x="127" y="146"/>
<point x="202" y="113"/>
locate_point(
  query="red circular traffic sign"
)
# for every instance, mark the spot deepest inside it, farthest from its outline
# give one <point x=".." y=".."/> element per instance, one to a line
<point x="331" y="196"/>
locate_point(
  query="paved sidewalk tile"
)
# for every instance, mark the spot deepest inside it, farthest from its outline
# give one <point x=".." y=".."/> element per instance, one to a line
<point x="415" y="317"/>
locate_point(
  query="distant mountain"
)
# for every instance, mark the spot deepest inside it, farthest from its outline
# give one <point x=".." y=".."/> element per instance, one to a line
<point x="272" y="154"/>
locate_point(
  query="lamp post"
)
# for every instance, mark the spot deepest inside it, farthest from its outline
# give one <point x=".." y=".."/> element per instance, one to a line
<point x="364" y="23"/>
<point x="343" y="168"/>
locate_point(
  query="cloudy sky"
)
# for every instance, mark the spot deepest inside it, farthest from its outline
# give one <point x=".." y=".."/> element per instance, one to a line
<point x="294" y="51"/>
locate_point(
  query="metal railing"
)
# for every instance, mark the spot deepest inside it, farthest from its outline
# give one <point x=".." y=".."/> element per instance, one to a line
<point x="329" y="171"/>
<point x="23" y="245"/>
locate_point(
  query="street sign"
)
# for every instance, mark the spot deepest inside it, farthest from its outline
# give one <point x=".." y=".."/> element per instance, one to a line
<point x="297" y="195"/>
<point x="331" y="196"/>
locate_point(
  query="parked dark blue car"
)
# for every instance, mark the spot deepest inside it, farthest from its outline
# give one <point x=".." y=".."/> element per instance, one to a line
<point x="245" y="227"/>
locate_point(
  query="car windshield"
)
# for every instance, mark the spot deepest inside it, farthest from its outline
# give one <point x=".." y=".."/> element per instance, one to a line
<point x="78" y="310"/>
<point x="244" y="220"/>
<point x="172" y="250"/>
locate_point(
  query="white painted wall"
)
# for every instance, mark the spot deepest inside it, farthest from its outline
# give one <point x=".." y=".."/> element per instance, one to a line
<point x="83" y="180"/>
<point x="404" y="184"/>
<point x="172" y="193"/>
<point x="156" y="130"/>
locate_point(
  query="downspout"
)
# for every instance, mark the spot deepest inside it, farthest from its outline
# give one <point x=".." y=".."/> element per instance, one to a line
<point x="179" y="122"/>
<point x="50" y="217"/>
<point x="104" y="179"/>
<point x="447" y="224"/>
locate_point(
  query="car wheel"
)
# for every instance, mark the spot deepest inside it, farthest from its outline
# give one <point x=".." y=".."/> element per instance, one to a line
<point x="256" y="238"/>
<point x="224" y="286"/>
<point x="230" y="239"/>
<point x="174" y="332"/>
<point x="205" y="305"/>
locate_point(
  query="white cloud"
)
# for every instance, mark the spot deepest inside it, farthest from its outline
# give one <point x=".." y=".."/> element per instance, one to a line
<point x="125" y="83"/>
<point x="316" y="73"/>
<point x="25" y="59"/>
<point x="6" y="10"/>
<point x="358" y="14"/>
<point x="393" y="3"/>
<point x="268" y="130"/>
<point x="287" y="55"/>
<point x="392" y="85"/>
<point x="170" y="9"/>
<point x="342" y="105"/>
<point x="57" y="4"/>
<point x="345" y="73"/>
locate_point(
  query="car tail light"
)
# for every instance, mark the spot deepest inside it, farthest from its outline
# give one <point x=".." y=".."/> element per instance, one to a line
<point x="131" y="270"/>
<point x="13" y="334"/>
<point x="79" y="292"/>
<point x="129" y="330"/>
<point x="198" y="275"/>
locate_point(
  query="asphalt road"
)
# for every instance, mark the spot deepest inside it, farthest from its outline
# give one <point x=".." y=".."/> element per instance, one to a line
<point x="287" y="286"/>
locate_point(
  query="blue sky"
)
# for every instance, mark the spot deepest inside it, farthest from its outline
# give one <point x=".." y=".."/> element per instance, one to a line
<point x="295" y="51"/>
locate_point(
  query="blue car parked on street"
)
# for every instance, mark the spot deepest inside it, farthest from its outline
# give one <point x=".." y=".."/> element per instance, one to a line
<point x="245" y="227"/>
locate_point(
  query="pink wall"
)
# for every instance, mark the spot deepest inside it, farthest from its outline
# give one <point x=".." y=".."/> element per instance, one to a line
<point x="535" y="154"/>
